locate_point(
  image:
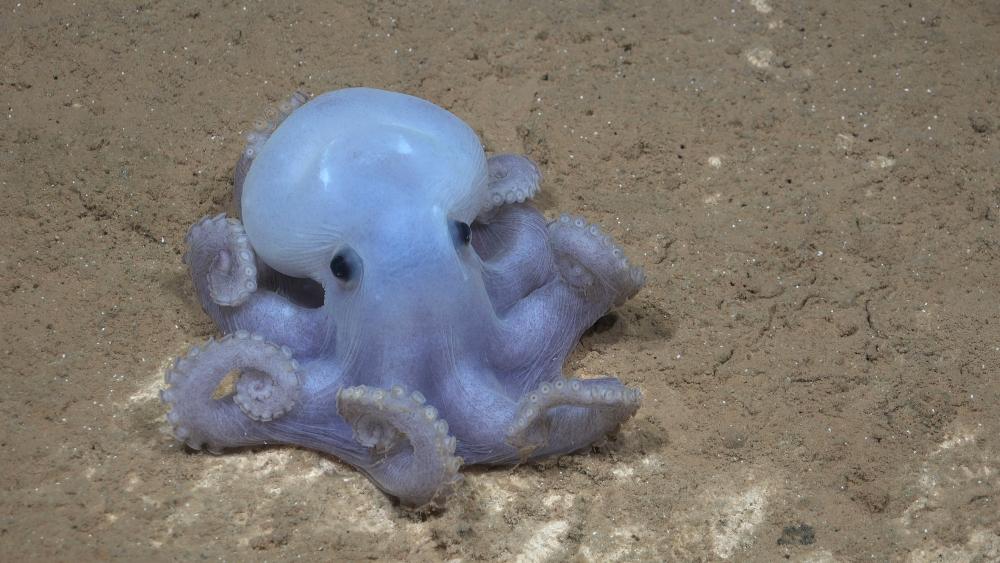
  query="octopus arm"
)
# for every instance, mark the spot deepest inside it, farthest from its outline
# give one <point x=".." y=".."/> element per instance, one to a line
<point x="512" y="179"/>
<point x="539" y="331"/>
<point x="569" y="415"/>
<point x="267" y="387"/>
<point x="514" y="249"/>
<point x="224" y="272"/>
<point x="411" y="450"/>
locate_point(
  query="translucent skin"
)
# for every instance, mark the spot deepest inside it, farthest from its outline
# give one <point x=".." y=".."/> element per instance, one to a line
<point x="391" y="299"/>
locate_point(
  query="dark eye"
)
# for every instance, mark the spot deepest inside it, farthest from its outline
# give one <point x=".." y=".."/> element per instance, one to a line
<point x="340" y="268"/>
<point x="464" y="232"/>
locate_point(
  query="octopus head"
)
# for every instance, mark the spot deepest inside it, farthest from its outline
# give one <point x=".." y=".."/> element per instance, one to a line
<point x="371" y="194"/>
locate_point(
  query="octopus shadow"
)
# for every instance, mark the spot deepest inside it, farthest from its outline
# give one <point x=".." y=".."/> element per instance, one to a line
<point x="629" y="323"/>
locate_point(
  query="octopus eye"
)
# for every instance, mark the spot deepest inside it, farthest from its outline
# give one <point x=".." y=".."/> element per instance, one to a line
<point x="464" y="232"/>
<point x="340" y="268"/>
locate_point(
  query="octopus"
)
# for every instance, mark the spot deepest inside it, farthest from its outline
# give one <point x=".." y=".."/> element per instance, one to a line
<point x="389" y="296"/>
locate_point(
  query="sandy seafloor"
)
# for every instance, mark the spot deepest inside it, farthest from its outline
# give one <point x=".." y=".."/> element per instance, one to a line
<point x="812" y="188"/>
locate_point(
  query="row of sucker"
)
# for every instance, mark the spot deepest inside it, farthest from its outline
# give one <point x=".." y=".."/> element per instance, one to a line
<point x="529" y="428"/>
<point x="232" y="276"/>
<point x="512" y="179"/>
<point x="606" y="264"/>
<point x="264" y="395"/>
<point x="265" y="125"/>
<point x="197" y="418"/>
<point x="380" y="418"/>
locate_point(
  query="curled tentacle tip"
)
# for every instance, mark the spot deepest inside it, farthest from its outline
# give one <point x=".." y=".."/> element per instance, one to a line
<point x="267" y="395"/>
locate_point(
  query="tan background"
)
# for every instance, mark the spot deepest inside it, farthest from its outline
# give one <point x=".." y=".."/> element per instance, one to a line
<point x="811" y="186"/>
